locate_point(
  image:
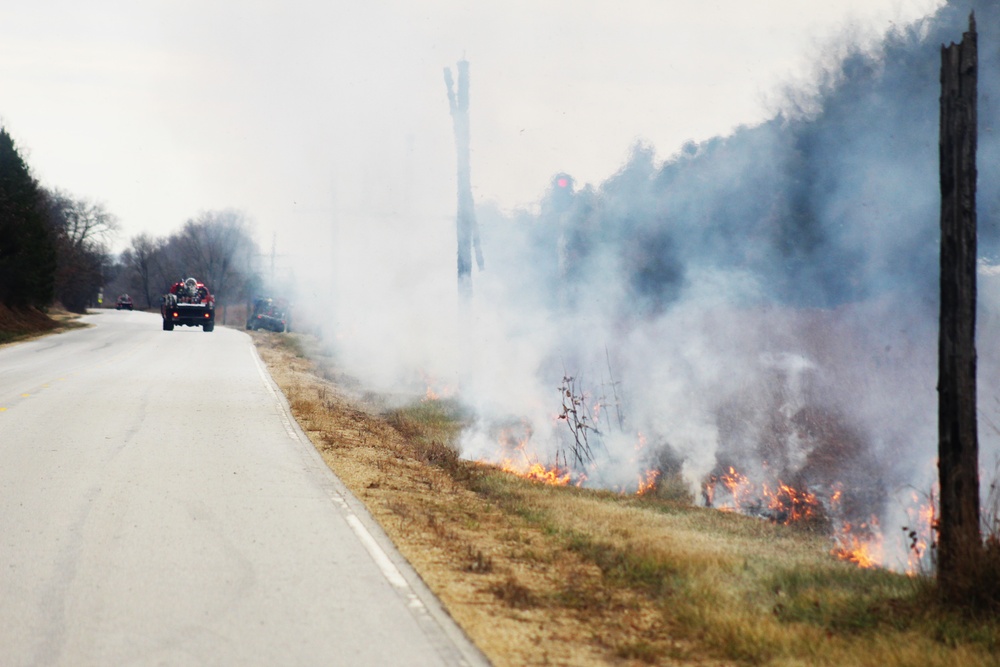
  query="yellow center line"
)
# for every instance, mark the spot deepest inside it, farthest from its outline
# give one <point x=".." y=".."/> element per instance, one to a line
<point x="47" y="385"/>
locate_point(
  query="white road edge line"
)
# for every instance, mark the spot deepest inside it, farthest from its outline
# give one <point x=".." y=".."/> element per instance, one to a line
<point x="381" y="558"/>
<point x="285" y="418"/>
<point x="454" y="647"/>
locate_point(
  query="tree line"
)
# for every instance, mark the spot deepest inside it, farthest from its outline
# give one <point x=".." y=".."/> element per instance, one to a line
<point x="55" y="248"/>
<point x="216" y="247"/>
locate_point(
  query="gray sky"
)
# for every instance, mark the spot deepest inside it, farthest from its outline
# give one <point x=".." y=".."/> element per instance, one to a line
<point x="307" y="115"/>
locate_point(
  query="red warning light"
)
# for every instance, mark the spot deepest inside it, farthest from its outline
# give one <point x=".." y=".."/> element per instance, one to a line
<point x="562" y="182"/>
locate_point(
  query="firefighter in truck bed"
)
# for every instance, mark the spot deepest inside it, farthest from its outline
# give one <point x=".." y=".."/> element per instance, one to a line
<point x="189" y="291"/>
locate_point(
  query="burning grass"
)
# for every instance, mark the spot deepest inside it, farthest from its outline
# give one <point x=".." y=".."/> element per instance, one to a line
<point x="545" y="574"/>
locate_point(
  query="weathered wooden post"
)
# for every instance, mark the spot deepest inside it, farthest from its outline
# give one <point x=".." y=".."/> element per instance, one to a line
<point x="466" y="227"/>
<point x="960" y="541"/>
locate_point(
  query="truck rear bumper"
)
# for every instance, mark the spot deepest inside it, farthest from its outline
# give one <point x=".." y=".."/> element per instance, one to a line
<point x="189" y="314"/>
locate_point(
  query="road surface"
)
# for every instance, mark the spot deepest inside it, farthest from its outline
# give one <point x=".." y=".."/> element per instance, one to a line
<point x="158" y="506"/>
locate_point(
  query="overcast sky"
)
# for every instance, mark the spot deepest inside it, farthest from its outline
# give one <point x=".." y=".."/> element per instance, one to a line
<point x="307" y="114"/>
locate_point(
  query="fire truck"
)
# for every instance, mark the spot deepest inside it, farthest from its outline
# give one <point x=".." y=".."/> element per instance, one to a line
<point x="270" y="314"/>
<point x="190" y="304"/>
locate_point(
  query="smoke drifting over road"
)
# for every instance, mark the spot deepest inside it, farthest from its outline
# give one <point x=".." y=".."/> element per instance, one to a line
<point x="765" y="301"/>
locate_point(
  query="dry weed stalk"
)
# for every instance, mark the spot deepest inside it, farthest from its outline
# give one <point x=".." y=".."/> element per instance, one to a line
<point x="574" y="413"/>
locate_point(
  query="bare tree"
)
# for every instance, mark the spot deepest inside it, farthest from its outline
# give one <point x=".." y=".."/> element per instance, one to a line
<point x="218" y="248"/>
<point x="81" y="230"/>
<point x="85" y="222"/>
<point x="142" y="262"/>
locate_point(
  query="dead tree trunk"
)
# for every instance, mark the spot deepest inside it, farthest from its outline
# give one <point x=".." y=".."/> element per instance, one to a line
<point x="466" y="227"/>
<point x="958" y="440"/>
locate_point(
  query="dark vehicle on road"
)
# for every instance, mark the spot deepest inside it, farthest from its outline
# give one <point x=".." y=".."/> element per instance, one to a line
<point x="190" y="304"/>
<point x="270" y="314"/>
<point x="124" y="302"/>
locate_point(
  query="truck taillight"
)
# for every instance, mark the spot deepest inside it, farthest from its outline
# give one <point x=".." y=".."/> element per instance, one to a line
<point x="175" y="313"/>
<point x="206" y="316"/>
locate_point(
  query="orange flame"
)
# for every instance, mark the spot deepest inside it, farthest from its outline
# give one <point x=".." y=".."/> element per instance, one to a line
<point x="861" y="545"/>
<point x="435" y="390"/>
<point x="920" y="533"/>
<point x="648" y="483"/>
<point x="853" y="550"/>
<point x="536" y="472"/>
<point x="790" y="505"/>
<point x="737" y="485"/>
<point x="515" y="442"/>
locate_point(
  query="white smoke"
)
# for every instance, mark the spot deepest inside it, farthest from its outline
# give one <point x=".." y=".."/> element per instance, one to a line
<point x="765" y="300"/>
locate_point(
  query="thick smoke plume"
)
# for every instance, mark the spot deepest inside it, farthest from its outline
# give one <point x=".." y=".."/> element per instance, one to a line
<point x="764" y="302"/>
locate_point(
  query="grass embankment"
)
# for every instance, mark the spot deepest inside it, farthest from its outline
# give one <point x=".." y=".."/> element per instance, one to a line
<point x="21" y="323"/>
<point x="542" y="575"/>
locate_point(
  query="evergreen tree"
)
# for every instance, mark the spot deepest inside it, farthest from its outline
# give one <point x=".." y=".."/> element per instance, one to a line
<point x="27" y="252"/>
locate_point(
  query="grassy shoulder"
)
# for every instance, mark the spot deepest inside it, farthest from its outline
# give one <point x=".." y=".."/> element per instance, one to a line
<point x="25" y="323"/>
<point x="540" y="575"/>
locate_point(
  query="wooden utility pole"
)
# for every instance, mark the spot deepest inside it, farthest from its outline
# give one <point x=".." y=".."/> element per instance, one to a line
<point x="466" y="227"/>
<point x="960" y="541"/>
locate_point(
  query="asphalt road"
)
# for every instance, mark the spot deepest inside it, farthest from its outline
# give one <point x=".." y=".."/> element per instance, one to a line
<point x="158" y="506"/>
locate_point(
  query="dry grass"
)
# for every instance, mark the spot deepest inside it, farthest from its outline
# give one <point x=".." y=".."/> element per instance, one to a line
<point x="23" y="323"/>
<point x="540" y="575"/>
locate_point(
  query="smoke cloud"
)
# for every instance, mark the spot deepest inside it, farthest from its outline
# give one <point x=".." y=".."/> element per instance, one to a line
<point x="764" y="301"/>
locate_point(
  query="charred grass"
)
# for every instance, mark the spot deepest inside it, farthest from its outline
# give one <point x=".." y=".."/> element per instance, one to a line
<point x="540" y="575"/>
